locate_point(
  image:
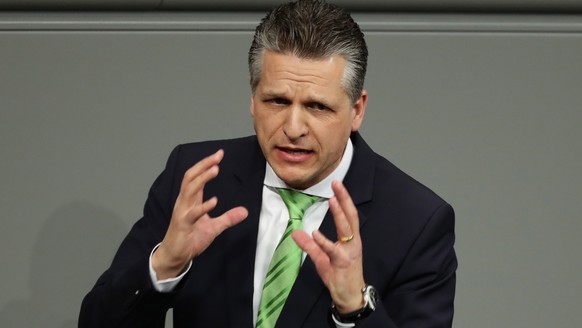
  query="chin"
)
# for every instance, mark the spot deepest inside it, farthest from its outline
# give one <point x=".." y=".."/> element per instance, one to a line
<point x="296" y="181"/>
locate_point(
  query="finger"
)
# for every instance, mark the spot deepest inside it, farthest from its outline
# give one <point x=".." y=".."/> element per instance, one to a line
<point x="347" y="205"/>
<point x="228" y="219"/>
<point x="329" y="247"/>
<point x="317" y="255"/>
<point x="302" y="239"/>
<point x="342" y="224"/>
<point x="318" y="245"/>
<point x="193" y="188"/>
<point x="197" y="211"/>
<point x="198" y="175"/>
<point x="308" y="245"/>
<point x="202" y="166"/>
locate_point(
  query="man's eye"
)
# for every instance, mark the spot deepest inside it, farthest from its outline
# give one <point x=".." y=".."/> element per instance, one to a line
<point x="279" y="101"/>
<point x="318" y="106"/>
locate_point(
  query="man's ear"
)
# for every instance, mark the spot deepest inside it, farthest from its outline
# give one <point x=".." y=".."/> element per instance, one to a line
<point x="359" y="110"/>
<point x="252" y="106"/>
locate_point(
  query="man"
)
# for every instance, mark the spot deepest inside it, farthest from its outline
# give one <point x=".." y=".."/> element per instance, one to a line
<point x="377" y="246"/>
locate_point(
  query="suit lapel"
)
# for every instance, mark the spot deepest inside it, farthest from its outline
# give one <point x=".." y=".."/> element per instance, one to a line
<point x="359" y="180"/>
<point x="308" y="288"/>
<point x="240" y="241"/>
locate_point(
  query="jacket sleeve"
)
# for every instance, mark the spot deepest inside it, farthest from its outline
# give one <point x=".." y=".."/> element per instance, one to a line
<point x="423" y="291"/>
<point x="124" y="295"/>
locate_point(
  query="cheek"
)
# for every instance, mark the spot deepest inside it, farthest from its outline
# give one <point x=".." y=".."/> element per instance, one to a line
<point x="266" y="126"/>
<point x="329" y="138"/>
<point x="332" y="140"/>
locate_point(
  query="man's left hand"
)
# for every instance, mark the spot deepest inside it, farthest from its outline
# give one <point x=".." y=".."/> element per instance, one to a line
<point x="339" y="264"/>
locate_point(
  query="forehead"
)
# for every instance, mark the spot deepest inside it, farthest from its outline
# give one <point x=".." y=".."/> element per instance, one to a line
<point x="281" y="70"/>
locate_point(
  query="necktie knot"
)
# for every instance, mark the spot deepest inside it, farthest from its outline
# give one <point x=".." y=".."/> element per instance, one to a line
<point x="297" y="202"/>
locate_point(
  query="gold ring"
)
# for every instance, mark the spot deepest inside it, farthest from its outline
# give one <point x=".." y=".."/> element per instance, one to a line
<point x="346" y="239"/>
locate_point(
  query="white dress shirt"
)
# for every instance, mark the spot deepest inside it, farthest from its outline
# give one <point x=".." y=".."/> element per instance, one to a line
<point x="273" y="221"/>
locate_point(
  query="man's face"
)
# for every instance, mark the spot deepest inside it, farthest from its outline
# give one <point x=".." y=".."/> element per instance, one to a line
<point x="303" y="117"/>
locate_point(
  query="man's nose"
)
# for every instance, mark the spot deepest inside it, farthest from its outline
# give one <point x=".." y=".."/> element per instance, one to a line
<point x="295" y="125"/>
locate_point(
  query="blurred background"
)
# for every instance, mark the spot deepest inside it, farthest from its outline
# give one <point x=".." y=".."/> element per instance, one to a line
<point x="480" y="100"/>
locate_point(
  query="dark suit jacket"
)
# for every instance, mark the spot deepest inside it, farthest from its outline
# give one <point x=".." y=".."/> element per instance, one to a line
<point x="407" y="233"/>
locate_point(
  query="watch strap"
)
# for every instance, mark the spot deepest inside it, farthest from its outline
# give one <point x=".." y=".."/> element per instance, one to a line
<point x="369" y="294"/>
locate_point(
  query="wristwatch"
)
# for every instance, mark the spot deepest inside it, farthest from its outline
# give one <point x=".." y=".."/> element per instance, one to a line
<point x="370" y="300"/>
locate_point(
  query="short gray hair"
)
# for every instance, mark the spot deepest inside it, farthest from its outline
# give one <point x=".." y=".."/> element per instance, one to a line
<point x="312" y="29"/>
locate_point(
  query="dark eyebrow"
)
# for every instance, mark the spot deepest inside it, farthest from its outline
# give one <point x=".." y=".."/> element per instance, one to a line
<point x="273" y="94"/>
<point x="318" y="100"/>
<point x="268" y="94"/>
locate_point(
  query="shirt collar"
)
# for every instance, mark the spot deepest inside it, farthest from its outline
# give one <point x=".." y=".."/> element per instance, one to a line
<point x="322" y="188"/>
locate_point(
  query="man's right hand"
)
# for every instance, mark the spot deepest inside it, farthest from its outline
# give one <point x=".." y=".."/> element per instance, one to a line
<point x="191" y="229"/>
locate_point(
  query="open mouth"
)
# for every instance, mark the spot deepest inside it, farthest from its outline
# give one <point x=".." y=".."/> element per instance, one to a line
<point x="293" y="151"/>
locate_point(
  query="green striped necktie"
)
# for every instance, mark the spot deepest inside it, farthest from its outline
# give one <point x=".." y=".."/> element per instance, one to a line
<point x="286" y="260"/>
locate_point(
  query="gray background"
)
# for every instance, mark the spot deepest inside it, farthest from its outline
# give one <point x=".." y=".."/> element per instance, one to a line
<point x="483" y="108"/>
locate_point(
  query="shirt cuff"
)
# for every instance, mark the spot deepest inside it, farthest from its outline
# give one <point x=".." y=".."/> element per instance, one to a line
<point x="166" y="285"/>
<point x="341" y="324"/>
